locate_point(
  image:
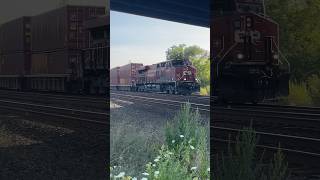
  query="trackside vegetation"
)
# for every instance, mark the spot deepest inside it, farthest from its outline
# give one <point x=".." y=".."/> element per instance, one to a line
<point x="184" y="153"/>
<point x="299" y="24"/>
<point x="241" y="161"/>
<point x="306" y="93"/>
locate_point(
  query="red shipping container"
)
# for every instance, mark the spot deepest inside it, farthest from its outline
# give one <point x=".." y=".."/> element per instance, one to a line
<point x="125" y="75"/>
<point x="59" y="35"/>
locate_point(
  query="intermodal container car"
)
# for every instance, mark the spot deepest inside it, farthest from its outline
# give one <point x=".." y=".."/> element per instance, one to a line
<point x="15" y="42"/>
<point x="125" y="75"/>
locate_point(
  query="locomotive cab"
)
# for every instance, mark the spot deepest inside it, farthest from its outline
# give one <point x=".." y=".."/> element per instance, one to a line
<point x="246" y="58"/>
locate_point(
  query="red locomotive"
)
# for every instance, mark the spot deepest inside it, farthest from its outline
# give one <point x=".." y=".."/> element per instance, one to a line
<point x="246" y="63"/>
<point x="172" y="77"/>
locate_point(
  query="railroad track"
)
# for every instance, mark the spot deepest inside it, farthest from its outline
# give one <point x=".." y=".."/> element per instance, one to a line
<point x="194" y="98"/>
<point x="59" y="113"/>
<point x="167" y="102"/>
<point x="71" y="101"/>
<point x="281" y="122"/>
<point x="296" y="129"/>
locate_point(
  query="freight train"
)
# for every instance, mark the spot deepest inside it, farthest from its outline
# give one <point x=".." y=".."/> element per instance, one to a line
<point x="172" y="77"/>
<point x="63" y="50"/>
<point x="246" y="63"/>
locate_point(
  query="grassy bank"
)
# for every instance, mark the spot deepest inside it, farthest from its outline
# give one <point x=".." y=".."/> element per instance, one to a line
<point x="181" y="153"/>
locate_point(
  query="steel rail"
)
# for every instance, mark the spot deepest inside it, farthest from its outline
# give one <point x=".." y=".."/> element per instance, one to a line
<point x="65" y="113"/>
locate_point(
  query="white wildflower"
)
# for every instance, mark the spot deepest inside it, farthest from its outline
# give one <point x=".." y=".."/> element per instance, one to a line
<point x="158" y="157"/>
<point x="173" y="141"/>
<point x="156" y="173"/>
<point x="134" y="178"/>
<point x="120" y="175"/>
<point x="191" y="147"/>
<point x="170" y="153"/>
<point x="146" y="174"/>
<point x="194" y="168"/>
<point x="156" y="160"/>
<point x="144" y="178"/>
<point x="114" y="167"/>
<point x="154" y="165"/>
<point x="208" y="169"/>
<point x="182" y="136"/>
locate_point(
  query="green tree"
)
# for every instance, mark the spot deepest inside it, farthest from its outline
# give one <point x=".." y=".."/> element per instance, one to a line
<point x="176" y="52"/>
<point x="299" y="23"/>
<point x="199" y="58"/>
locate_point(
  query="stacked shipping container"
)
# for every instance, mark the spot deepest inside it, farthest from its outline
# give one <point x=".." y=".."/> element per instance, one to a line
<point x="47" y="49"/>
<point x="15" y="47"/>
<point x="58" y="37"/>
<point x="125" y="75"/>
<point x="96" y="56"/>
<point x="15" y="41"/>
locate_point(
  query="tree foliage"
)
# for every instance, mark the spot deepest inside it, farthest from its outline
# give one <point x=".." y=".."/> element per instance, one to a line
<point x="199" y="58"/>
<point x="299" y="22"/>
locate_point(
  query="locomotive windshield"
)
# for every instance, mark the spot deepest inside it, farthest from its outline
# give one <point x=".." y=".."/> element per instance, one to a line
<point x="177" y="63"/>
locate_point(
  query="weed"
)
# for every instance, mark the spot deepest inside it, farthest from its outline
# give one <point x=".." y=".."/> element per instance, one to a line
<point x="298" y="94"/>
<point x="183" y="155"/>
<point x="241" y="162"/>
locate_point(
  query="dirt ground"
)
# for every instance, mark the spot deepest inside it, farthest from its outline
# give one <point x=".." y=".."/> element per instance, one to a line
<point x="34" y="150"/>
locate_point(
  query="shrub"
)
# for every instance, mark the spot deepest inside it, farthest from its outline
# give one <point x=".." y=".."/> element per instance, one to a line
<point x="313" y="83"/>
<point x="298" y="95"/>
<point x="278" y="168"/>
<point x="205" y="91"/>
<point x="131" y="146"/>
<point x="184" y="155"/>
<point x="241" y="162"/>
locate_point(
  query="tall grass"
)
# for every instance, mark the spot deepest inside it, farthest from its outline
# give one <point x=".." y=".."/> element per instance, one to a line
<point x="132" y="146"/>
<point x="298" y="94"/>
<point x="304" y="93"/>
<point x="205" y="91"/>
<point x="241" y="161"/>
<point x="184" y="153"/>
<point x="313" y="85"/>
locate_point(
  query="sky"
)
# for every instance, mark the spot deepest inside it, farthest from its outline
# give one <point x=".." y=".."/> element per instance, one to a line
<point x="139" y="39"/>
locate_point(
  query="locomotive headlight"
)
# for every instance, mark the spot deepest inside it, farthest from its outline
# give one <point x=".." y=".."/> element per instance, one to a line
<point x="249" y="22"/>
<point x="240" y="56"/>
<point x="275" y="56"/>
